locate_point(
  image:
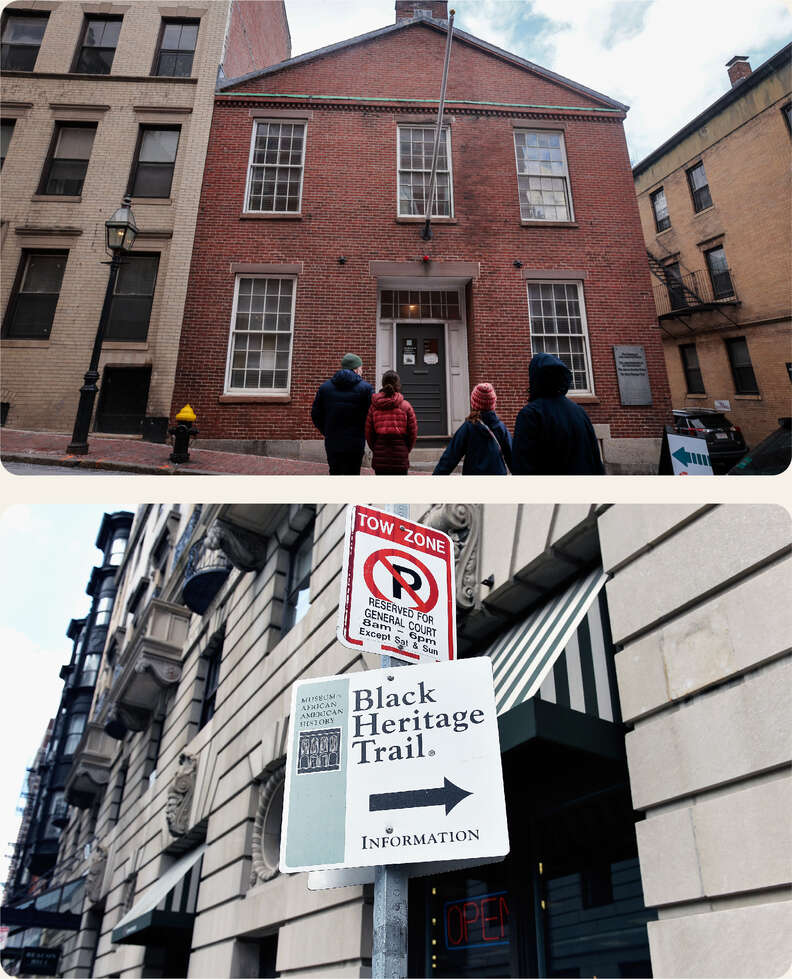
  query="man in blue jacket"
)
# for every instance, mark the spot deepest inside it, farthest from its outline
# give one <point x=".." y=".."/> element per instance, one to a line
<point x="339" y="412"/>
<point x="553" y="436"/>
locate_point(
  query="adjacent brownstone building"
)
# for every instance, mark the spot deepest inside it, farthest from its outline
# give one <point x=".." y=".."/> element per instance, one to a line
<point x="99" y="100"/>
<point x="309" y="243"/>
<point x="715" y="205"/>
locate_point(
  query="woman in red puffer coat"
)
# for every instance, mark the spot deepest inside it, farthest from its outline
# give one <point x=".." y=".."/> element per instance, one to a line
<point x="391" y="428"/>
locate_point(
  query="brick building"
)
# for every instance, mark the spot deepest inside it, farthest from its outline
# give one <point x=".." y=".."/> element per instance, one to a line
<point x="714" y="202"/>
<point x="98" y="101"/>
<point x="309" y="241"/>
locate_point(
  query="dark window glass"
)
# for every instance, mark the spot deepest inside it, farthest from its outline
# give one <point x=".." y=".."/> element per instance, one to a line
<point x="132" y="298"/>
<point x="298" y="590"/>
<point x="31" y="309"/>
<point x="98" y="47"/>
<point x="741" y="366"/>
<point x="213" y="659"/>
<point x="690" y="365"/>
<point x="660" y="209"/>
<point x="699" y="187"/>
<point x="5" y="139"/>
<point x="65" y="170"/>
<point x="676" y="294"/>
<point x="152" y="168"/>
<point x="177" y="47"/>
<point x="74" y="732"/>
<point x="719" y="273"/>
<point x="90" y="669"/>
<point x="787" y="110"/>
<point x="22" y="34"/>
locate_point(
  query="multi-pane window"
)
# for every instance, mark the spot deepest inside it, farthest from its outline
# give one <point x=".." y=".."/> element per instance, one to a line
<point x="719" y="273"/>
<point x="74" y="731"/>
<point x="275" y="173"/>
<point x="558" y="326"/>
<point x="676" y="294"/>
<point x="690" y="366"/>
<point x="103" y="609"/>
<point x="96" y="53"/>
<point x="90" y="669"/>
<point x="261" y="334"/>
<point x="699" y="188"/>
<point x="298" y="588"/>
<point x="660" y="210"/>
<point x="419" y="304"/>
<point x="416" y="144"/>
<point x="22" y="34"/>
<point x="133" y="296"/>
<point x="214" y="657"/>
<point x="64" y="171"/>
<point x="155" y="158"/>
<point x="31" y="309"/>
<point x="117" y="550"/>
<point x="176" y="48"/>
<point x="542" y="176"/>
<point x="741" y="366"/>
<point x="6" y="132"/>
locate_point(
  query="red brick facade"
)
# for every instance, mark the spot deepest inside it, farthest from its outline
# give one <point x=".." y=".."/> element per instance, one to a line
<point x="349" y="209"/>
<point x="258" y="34"/>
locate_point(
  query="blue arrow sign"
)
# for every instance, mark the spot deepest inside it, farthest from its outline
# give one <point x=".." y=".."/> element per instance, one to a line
<point x="686" y="458"/>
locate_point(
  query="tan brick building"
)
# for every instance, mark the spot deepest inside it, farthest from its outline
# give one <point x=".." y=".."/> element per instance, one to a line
<point x="102" y="99"/>
<point x="715" y="203"/>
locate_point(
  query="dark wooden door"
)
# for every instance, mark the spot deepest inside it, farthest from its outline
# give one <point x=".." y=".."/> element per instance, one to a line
<point x="420" y="363"/>
<point x="122" y="400"/>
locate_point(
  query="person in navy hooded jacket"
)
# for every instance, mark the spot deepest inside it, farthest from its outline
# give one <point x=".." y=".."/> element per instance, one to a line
<point x="482" y="439"/>
<point x="339" y="412"/>
<point x="553" y="436"/>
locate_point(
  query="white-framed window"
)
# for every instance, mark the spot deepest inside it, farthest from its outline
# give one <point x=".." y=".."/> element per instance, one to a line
<point x="275" y="168"/>
<point x="557" y="321"/>
<point x="260" y="345"/>
<point x="415" y="170"/>
<point x="542" y="175"/>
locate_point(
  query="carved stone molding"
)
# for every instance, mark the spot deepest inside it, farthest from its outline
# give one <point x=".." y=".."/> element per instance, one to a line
<point x="267" y="827"/>
<point x="244" y="549"/>
<point x="180" y="796"/>
<point x="96" y="873"/>
<point x="462" y="522"/>
<point x="165" y="674"/>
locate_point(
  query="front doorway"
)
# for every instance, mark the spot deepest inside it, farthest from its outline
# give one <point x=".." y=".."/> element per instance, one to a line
<point x="122" y="400"/>
<point x="421" y="365"/>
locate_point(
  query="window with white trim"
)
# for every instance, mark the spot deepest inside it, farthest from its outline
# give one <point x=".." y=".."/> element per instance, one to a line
<point x="416" y="144"/>
<point x="542" y="176"/>
<point x="259" y="351"/>
<point x="275" y="170"/>
<point x="557" y="320"/>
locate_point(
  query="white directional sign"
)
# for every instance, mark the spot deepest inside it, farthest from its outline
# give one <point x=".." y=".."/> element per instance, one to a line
<point x="394" y="766"/>
<point x="689" y="456"/>
<point x="397" y="588"/>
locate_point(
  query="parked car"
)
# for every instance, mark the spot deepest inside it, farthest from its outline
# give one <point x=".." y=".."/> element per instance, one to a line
<point x="772" y="456"/>
<point x="725" y="442"/>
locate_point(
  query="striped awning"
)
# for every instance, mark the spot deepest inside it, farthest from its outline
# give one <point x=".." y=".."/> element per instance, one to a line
<point x="167" y="906"/>
<point x="523" y="657"/>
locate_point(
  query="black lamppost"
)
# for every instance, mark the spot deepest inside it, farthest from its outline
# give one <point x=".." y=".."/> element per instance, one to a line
<point x="120" y="232"/>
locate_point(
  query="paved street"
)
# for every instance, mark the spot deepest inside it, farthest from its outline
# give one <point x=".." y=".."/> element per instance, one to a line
<point x="26" y="469"/>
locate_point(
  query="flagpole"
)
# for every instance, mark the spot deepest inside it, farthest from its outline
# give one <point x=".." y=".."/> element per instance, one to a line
<point x="426" y="233"/>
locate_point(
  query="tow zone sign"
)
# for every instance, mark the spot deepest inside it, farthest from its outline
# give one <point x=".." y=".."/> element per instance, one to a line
<point x="397" y="588"/>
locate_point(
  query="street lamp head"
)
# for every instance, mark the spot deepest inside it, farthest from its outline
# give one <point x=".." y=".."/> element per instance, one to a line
<point x="121" y="229"/>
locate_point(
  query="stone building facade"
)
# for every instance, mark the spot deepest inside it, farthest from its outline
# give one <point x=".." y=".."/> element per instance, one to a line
<point x="714" y="202"/>
<point x="536" y="243"/>
<point x="646" y="764"/>
<point x="98" y="101"/>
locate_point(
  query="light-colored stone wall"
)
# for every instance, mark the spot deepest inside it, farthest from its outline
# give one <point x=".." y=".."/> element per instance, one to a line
<point x="745" y="151"/>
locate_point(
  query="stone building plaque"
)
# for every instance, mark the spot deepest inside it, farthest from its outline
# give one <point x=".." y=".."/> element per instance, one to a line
<point x="633" y="375"/>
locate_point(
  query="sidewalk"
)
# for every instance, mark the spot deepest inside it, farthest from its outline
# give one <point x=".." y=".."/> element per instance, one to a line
<point x="147" y="458"/>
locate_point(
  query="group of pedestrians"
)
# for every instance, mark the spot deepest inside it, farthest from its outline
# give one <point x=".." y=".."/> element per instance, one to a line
<point x="552" y="435"/>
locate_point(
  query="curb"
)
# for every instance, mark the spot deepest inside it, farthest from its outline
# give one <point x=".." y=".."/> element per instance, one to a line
<point x="69" y="462"/>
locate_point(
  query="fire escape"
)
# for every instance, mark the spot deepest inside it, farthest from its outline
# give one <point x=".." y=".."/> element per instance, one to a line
<point x="682" y="292"/>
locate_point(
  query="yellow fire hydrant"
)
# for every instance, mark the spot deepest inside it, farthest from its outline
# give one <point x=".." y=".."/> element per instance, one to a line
<point x="181" y="433"/>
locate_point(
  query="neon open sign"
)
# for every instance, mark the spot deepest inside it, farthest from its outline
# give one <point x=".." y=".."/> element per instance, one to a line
<point x="477" y="922"/>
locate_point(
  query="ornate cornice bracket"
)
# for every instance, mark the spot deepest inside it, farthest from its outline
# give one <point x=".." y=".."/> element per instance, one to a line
<point x="462" y="523"/>
<point x="246" y="550"/>
<point x="180" y="796"/>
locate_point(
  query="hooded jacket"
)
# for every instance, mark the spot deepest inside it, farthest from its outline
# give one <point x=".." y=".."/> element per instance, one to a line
<point x="391" y="430"/>
<point x="553" y="436"/>
<point x="339" y="411"/>
<point x="483" y="457"/>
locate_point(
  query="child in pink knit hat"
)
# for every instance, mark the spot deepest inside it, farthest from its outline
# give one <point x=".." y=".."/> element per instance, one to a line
<point x="482" y="439"/>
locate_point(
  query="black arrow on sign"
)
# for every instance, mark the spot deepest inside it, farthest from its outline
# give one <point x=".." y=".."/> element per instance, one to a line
<point x="449" y="795"/>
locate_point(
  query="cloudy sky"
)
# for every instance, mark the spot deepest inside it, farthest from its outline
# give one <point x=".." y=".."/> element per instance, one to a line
<point x="47" y="556"/>
<point x="664" y="58"/>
